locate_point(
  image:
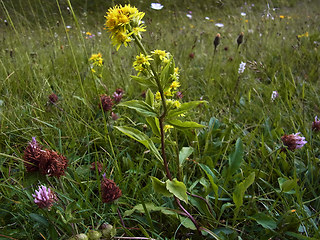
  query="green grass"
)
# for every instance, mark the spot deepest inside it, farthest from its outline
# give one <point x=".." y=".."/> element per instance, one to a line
<point x="39" y="56"/>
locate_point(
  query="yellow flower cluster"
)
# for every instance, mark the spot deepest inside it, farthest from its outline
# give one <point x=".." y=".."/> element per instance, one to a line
<point x="173" y="88"/>
<point x="96" y="60"/>
<point x="304" y="35"/>
<point x="141" y="62"/>
<point x="122" y="22"/>
<point x="162" y="55"/>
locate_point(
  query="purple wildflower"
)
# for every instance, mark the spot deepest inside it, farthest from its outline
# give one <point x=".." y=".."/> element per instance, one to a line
<point x="44" y="198"/>
<point x="117" y="97"/>
<point x="293" y="141"/>
<point x="179" y="95"/>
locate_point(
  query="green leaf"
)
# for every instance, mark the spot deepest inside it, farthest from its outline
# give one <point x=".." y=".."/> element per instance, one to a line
<point x="141" y="138"/>
<point x="160" y="187"/>
<point x="187" y="223"/>
<point x="139" y="208"/>
<point x="287" y="185"/>
<point x="184" y="153"/>
<point x="183" y="108"/>
<point x="149" y="98"/>
<point x="146" y="82"/>
<point x="299" y="236"/>
<point x="178" y="189"/>
<point x="240" y="189"/>
<point x="185" y="125"/>
<point x="154" y="124"/>
<point x="212" y="178"/>
<point x="141" y="107"/>
<point x="265" y="221"/>
<point x="235" y="158"/>
<point x="40" y="219"/>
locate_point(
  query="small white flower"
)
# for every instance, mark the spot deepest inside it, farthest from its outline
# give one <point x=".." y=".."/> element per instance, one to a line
<point x="68" y="27"/>
<point x="243" y="14"/>
<point x="274" y="95"/>
<point x="156" y="6"/>
<point x="207" y="18"/>
<point x="219" y="25"/>
<point x="189" y="16"/>
<point x="242" y="67"/>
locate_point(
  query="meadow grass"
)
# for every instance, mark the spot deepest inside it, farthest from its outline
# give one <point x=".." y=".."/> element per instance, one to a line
<point x="279" y="189"/>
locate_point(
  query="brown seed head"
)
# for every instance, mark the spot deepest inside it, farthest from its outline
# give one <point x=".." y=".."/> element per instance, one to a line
<point x="53" y="164"/>
<point x="97" y="165"/>
<point x="109" y="190"/>
<point x="106" y="103"/>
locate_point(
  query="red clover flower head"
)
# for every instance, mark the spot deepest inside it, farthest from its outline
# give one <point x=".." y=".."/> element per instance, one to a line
<point x="44" y="197"/>
<point x="293" y="141"/>
<point x="316" y="124"/>
<point x="53" y="98"/>
<point x="117" y="95"/>
<point x="33" y="154"/>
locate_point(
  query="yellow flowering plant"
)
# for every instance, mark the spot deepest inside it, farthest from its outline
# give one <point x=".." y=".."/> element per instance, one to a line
<point x="96" y="63"/>
<point x="162" y="108"/>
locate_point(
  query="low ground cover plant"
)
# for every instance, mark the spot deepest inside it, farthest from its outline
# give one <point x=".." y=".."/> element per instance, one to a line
<point x="159" y="120"/>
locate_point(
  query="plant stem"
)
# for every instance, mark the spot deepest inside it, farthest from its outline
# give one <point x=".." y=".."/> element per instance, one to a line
<point x="163" y="151"/>
<point x="187" y="213"/>
<point x="164" y="113"/>
<point x="121" y="219"/>
<point x="161" y="121"/>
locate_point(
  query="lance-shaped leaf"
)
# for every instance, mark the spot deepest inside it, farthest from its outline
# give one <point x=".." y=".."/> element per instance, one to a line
<point x="184" y="153"/>
<point x="149" y="98"/>
<point x="185" y="125"/>
<point x="141" y="107"/>
<point x="160" y="187"/>
<point x="141" y="138"/>
<point x="212" y="178"/>
<point x="240" y="189"/>
<point x="286" y="185"/>
<point x="146" y="82"/>
<point x="265" y="221"/>
<point x="154" y="124"/>
<point x="178" y="189"/>
<point x="183" y="108"/>
<point x="235" y="158"/>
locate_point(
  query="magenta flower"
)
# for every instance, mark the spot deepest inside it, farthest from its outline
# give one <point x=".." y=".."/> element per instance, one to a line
<point x="293" y="141"/>
<point x="44" y="198"/>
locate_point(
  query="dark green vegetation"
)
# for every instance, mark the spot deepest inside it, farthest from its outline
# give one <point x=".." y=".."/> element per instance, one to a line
<point x="254" y="190"/>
